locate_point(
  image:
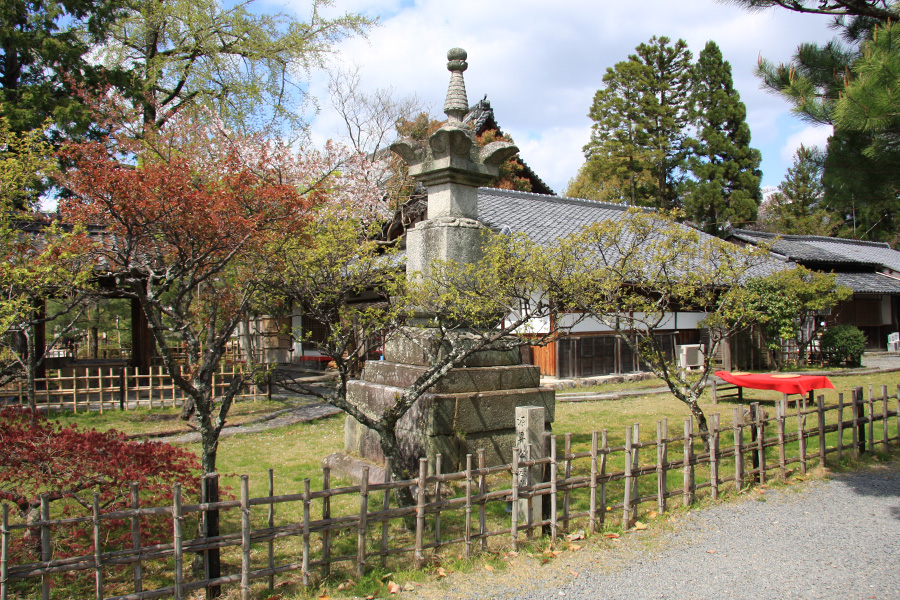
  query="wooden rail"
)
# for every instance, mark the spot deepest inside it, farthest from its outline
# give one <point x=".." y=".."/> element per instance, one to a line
<point x="581" y="489"/>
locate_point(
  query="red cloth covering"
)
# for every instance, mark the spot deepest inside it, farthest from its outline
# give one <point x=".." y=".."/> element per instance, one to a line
<point x="788" y="385"/>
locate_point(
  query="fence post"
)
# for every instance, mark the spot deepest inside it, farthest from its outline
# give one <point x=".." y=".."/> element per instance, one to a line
<point x="884" y="415"/>
<point x="514" y="520"/>
<point x="760" y="442"/>
<point x="553" y="475"/>
<point x="304" y="566"/>
<point x="714" y="456"/>
<point x="420" y="512"/>
<point x="326" y="512"/>
<point x="801" y="429"/>
<point x="245" y="537"/>
<point x="386" y="504"/>
<point x="567" y="473"/>
<point x="635" y="469"/>
<point x="271" y="521"/>
<point x="468" y="532"/>
<point x="859" y="423"/>
<point x="4" y="553"/>
<point x="437" y="497"/>
<point x="662" y="432"/>
<point x="592" y="510"/>
<point x="737" y="418"/>
<point x="871" y="420"/>
<point x="781" y="409"/>
<point x="604" y="449"/>
<point x="45" y="545"/>
<point x="820" y="415"/>
<point x="715" y="395"/>
<point x="363" y="522"/>
<point x="687" y="467"/>
<point x="177" y="535"/>
<point x="840" y="427"/>
<point x="136" y="537"/>
<point x="626" y="501"/>
<point x="213" y="555"/>
<point x="482" y="490"/>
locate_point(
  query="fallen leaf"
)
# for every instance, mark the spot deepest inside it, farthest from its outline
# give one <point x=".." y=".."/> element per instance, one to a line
<point x="388" y="576"/>
<point x="611" y="536"/>
<point x="370" y="597"/>
<point x="489" y="568"/>
<point x="652" y="514"/>
<point x="511" y="553"/>
<point x="322" y="597"/>
<point x="640" y="526"/>
<point x="710" y="551"/>
<point x="345" y="585"/>
<point x="393" y="588"/>
<point x="578" y="535"/>
<point x="574" y="547"/>
<point x="441" y="572"/>
<point x="608" y="508"/>
<point x="408" y="587"/>
<point x="573" y="573"/>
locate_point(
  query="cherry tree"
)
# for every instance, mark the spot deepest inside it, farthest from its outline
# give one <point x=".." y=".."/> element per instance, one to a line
<point x="186" y="211"/>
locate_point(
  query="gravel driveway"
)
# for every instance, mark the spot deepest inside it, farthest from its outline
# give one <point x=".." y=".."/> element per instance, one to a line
<point x="825" y="539"/>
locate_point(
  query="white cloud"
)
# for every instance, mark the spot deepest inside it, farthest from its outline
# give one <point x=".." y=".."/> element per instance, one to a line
<point x="540" y="63"/>
<point x="809" y="136"/>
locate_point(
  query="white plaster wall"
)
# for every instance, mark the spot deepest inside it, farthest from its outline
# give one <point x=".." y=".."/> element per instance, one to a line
<point x="679" y="320"/>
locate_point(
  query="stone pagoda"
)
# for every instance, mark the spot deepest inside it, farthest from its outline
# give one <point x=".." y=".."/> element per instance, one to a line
<point x="473" y="406"/>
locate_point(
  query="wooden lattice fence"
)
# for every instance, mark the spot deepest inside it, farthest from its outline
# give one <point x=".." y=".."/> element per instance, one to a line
<point x="103" y="388"/>
<point x="598" y="487"/>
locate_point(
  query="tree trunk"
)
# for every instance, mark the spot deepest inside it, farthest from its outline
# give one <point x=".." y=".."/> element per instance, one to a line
<point x="30" y="367"/>
<point x="390" y="447"/>
<point x="702" y="425"/>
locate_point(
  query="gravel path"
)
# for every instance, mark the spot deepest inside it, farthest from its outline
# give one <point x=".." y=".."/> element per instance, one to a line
<point x="837" y="539"/>
<point x="302" y="414"/>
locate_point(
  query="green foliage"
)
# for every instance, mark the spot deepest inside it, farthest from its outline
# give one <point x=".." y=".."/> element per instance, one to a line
<point x="241" y="64"/>
<point x="796" y="208"/>
<point x="785" y="300"/>
<point x="724" y="191"/>
<point x="633" y="272"/>
<point x="640" y="115"/>
<point x="843" y="343"/>
<point x="45" y="48"/>
<point x="838" y="83"/>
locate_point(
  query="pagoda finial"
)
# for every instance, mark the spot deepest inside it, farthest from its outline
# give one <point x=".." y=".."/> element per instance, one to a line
<point x="457" y="105"/>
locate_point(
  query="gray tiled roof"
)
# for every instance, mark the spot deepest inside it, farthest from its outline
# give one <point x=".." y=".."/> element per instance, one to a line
<point x="807" y="249"/>
<point x="545" y="219"/>
<point x="869" y="283"/>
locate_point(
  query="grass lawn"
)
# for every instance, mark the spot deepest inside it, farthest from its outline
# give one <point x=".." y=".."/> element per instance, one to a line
<point x="295" y="454"/>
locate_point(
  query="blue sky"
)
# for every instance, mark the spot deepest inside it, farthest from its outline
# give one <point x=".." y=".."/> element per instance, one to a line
<point x="540" y="63"/>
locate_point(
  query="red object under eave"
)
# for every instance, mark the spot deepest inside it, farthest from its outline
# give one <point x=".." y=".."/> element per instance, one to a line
<point x="765" y="381"/>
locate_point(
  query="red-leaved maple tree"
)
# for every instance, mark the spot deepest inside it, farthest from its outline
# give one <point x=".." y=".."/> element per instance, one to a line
<point x="185" y="212"/>
<point x="69" y="465"/>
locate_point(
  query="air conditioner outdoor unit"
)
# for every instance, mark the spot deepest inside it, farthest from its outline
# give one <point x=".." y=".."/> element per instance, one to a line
<point x="690" y="356"/>
<point x="893" y="344"/>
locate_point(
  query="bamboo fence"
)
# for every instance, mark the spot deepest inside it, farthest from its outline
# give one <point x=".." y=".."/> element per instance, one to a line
<point x="103" y="388"/>
<point x="465" y="509"/>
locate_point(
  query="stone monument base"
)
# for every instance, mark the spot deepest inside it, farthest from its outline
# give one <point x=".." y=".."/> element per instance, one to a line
<point x="472" y="407"/>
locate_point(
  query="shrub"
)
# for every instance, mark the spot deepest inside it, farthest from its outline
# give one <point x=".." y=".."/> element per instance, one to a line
<point x="843" y="343"/>
<point x="69" y="465"/>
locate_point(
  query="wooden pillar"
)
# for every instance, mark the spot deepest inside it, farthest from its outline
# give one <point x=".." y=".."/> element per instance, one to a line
<point x="725" y="346"/>
<point x="141" y="341"/>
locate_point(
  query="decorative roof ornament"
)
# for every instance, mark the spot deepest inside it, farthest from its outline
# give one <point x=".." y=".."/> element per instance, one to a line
<point x="451" y="154"/>
<point x="456" y="105"/>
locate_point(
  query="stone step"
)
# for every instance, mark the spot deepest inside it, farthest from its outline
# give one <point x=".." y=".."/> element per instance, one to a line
<point x="470" y="379"/>
<point x="453" y="414"/>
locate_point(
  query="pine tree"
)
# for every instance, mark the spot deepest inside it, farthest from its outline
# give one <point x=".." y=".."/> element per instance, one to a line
<point x="668" y="102"/>
<point x="725" y="189"/>
<point x="861" y="180"/>
<point x="636" y="153"/>
<point x="796" y="208"/>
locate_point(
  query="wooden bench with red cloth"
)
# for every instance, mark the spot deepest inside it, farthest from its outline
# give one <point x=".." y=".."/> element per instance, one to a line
<point x="786" y="383"/>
